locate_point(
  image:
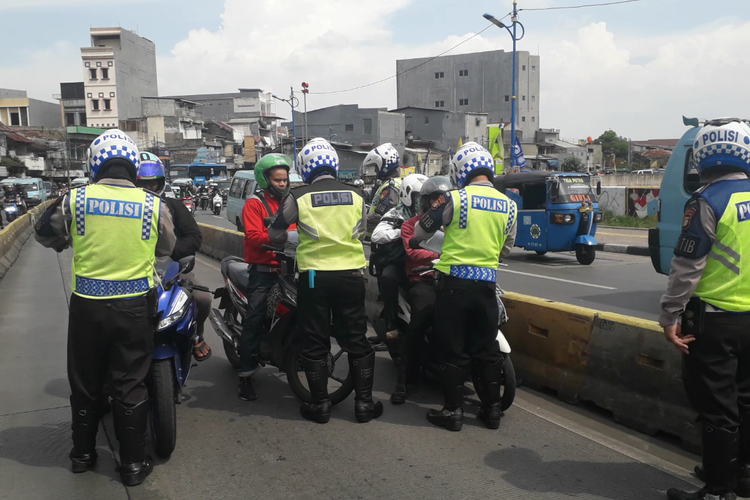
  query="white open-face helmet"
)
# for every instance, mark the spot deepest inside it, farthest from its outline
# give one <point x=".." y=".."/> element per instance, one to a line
<point x="723" y="143"/>
<point x="315" y="158"/>
<point x="471" y="159"/>
<point x="410" y="187"/>
<point x="384" y="158"/>
<point x="113" y="144"/>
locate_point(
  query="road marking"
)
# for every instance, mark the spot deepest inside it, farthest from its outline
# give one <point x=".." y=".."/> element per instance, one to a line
<point x="557" y="279"/>
<point x="217" y="217"/>
<point x="622" y="234"/>
<point x="205" y="262"/>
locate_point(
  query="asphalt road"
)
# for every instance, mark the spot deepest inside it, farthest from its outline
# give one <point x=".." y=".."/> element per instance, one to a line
<point x="625" y="284"/>
<point x="232" y="449"/>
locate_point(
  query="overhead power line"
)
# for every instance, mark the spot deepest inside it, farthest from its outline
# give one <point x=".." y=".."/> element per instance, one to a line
<point x="584" y="6"/>
<point x="407" y="70"/>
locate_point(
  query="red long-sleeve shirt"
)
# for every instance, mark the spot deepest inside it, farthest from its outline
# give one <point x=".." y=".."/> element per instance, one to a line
<point x="256" y="232"/>
<point x="416" y="258"/>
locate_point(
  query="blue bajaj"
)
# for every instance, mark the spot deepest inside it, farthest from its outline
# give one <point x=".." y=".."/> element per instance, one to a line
<point x="557" y="212"/>
<point x="173" y="347"/>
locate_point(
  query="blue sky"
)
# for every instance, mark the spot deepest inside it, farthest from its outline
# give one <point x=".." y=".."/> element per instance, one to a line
<point x="617" y="66"/>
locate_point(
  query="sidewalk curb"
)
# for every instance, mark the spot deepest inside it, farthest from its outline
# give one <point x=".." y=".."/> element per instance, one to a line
<point x="601" y="226"/>
<point x="626" y="249"/>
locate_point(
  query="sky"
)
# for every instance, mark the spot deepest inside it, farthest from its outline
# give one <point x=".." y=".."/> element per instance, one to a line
<point x="635" y="68"/>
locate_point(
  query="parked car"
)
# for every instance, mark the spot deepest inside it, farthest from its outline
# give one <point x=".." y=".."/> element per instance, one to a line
<point x="243" y="187"/>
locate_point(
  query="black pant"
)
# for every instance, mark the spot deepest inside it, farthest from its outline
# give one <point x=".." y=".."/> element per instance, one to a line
<point x="109" y="342"/>
<point x="716" y="373"/>
<point x="203" y="305"/>
<point x="337" y="296"/>
<point x="466" y="321"/>
<point x="422" y="305"/>
<point x="392" y="277"/>
<point x="258" y="287"/>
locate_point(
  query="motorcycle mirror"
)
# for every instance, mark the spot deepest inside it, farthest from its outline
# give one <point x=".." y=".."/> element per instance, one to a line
<point x="599" y="188"/>
<point x="187" y="264"/>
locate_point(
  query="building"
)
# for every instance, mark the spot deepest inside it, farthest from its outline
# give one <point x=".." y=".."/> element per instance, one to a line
<point x="19" y="110"/>
<point x="119" y="68"/>
<point x="72" y="99"/>
<point x="549" y="146"/>
<point x="443" y="128"/>
<point x="362" y="128"/>
<point x="480" y="82"/>
<point x="249" y="110"/>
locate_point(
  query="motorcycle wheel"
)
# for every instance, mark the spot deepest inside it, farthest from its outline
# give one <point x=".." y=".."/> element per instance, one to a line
<point x="585" y="254"/>
<point x="509" y="384"/>
<point x="298" y="381"/>
<point x="233" y="355"/>
<point x="163" y="410"/>
<point x="10" y="217"/>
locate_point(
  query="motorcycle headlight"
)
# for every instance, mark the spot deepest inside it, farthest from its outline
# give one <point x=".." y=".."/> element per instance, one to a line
<point x="598" y="217"/>
<point x="10" y="209"/>
<point x="176" y="312"/>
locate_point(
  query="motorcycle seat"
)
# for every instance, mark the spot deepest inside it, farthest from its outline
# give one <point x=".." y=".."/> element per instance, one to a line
<point x="237" y="272"/>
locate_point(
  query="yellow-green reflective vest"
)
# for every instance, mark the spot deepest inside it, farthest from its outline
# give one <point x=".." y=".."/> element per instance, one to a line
<point x="482" y="217"/>
<point x="115" y="231"/>
<point x="725" y="283"/>
<point x="330" y="214"/>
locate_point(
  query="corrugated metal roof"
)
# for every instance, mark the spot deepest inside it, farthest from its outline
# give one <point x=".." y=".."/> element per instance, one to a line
<point x="12" y="135"/>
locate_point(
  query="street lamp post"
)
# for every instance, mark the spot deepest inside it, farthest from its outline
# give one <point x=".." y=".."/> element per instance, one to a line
<point x="514" y="35"/>
<point x="293" y="103"/>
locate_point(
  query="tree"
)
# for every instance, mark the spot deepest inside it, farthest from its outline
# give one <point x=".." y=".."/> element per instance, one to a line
<point x="573" y="164"/>
<point x="612" y="144"/>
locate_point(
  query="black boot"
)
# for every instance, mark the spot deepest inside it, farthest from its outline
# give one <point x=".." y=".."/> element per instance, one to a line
<point x="395" y="349"/>
<point x="85" y="425"/>
<point x="365" y="409"/>
<point x="131" y="422"/>
<point x="720" y="448"/>
<point x="319" y="410"/>
<point x="490" y="376"/>
<point x="452" y="415"/>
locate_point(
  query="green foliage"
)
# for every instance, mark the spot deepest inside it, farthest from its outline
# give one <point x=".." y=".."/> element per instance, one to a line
<point x="573" y="164"/>
<point x="613" y="144"/>
<point x="626" y="221"/>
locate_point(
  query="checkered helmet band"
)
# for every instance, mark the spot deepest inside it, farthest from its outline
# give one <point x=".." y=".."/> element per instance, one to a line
<point x="469" y="159"/>
<point x="724" y="145"/>
<point x="112" y="144"/>
<point x="317" y="154"/>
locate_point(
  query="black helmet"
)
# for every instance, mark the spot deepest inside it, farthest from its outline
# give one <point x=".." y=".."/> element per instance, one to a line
<point x="432" y="188"/>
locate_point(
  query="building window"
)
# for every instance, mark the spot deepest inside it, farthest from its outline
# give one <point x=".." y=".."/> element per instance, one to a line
<point x="111" y="94"/>
<point x="87" y="64"/>
<point x="523" y="119"/>
<point x="98" y="64"/>
<point x="426" y="120"/>
<point x="533" y="98"/>
<point x="533" y="69"/>
<point x="523" y="68"/>
<point x="101" y="94"/>
<point x="93" y="73"/>
<point x="89" y="95"/>
<point x="110" y="63"/>
<point x="507" y="98"/>
<point x="368" y="126"/>
<point x="70" y="119"/>
<point x="349" y="127"/>
<point x="523" y="97"/>
<point x="463" y="72"/>
<point x="439" y="74"/>
<point x="95" y="104"/>
<point x="107" y="104"/>
<point x="105" y="74"/>
<point x="533" y="118"/>
<point x="463" y="102"/>
<point x="439" y="104"/>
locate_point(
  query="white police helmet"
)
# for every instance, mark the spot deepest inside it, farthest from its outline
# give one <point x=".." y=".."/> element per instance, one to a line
<point x="411" y="185"/>
<point x="384" y="158"/>
<point x="111" y="144"/>
<point x="723" y="143"/>
<point x="316" y="157"/>
<point x="471" y="159"/>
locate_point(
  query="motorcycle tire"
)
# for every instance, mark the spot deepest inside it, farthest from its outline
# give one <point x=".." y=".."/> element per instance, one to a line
<point x="163" y="408"/>
<point x="509" y="384"/>
<point x="294" y="376"/>
<point x="10" y="217"/>
<point x="585" y="254"/>
<point x="233" y="355"/>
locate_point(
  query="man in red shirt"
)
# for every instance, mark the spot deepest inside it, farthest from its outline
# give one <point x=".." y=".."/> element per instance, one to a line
<point x="272" y="176"/>
<point x="421" y="287"/>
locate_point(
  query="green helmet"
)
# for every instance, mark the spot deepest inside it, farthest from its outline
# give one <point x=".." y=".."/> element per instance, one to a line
<point x="265" y="165"/>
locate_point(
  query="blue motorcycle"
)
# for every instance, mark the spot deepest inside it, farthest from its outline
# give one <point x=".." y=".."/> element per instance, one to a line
<point x="173" y="347"/>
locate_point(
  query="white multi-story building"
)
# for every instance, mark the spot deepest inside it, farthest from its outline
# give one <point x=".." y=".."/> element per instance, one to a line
<point x="119" y="68"/>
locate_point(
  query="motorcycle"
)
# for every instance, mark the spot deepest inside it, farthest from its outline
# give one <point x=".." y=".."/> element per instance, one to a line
<point x="12" y="211"/>
<point x="187" y="200"/>
<point x="279" y="346"/>
<point x="218" y="204"/>
<point x="204" y="201"/>
<point x="173" y="348"/>
<point x="431" y="364"/>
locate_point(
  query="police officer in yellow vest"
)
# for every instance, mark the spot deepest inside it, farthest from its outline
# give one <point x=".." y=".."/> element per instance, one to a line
<point x="709" y="286"/>
<point x="116" y="231"/>
<point x="331" y="221"/>
<point x="480" y="226"/>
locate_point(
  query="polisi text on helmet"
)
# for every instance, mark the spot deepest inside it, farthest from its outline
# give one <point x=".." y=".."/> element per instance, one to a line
<point x="123" y="137"/>
<point x="473" y="150"/>
<point x="314" y="147"/>
<point x="721" y="136"/>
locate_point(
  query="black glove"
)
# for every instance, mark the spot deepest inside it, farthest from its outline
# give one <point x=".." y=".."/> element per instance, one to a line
<point x="414" y="243"/>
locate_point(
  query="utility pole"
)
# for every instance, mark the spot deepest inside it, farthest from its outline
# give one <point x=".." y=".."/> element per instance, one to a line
<point x="305" y="91"/>
<point x="67" y="163"/>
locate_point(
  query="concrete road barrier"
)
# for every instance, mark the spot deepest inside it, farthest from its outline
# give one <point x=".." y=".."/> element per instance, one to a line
<point x="619" y="363"/>
<point x="15" y="235"/>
